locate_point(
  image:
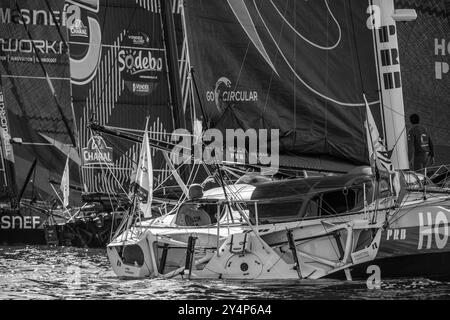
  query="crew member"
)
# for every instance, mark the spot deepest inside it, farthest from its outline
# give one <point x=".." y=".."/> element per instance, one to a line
<point x="420" y="146"/>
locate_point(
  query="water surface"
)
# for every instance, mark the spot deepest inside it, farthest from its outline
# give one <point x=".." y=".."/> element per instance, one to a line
<point x="34" y="272"/>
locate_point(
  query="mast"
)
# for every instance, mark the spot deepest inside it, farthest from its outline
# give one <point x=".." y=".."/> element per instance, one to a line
<point x="387" y="52"/>
<point x="169" y="34"/>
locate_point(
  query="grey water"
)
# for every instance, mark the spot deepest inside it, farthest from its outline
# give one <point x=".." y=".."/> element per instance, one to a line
<point x="42" y="273"/>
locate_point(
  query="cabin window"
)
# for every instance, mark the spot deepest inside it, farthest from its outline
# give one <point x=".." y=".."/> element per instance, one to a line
<point x="312" y="209"/>
<point x="132" y="255"/>
<point x="276" y="211"/>
<point x="341" y="201"/>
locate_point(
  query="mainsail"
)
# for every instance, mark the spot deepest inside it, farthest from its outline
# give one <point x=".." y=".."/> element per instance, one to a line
<point x="119" y="77"/>
<point x="425" y="55"/>
<point x="31" y="30"/>
<point x="298" y="66"/>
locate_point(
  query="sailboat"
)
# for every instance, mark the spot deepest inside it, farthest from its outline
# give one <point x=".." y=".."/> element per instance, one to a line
<point x="212" y="237"/>
<point x="36" y="122"/>
<point x="405" y="236"/>
<point x="232" y="232"/>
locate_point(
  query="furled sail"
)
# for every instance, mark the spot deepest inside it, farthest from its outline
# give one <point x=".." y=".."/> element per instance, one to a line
<point x="144" y="178"/>
<point x="36" y="108"/>
<point x="297" y="66"/>
<point x="119" y="77"/>
<point x="425" y="55"/>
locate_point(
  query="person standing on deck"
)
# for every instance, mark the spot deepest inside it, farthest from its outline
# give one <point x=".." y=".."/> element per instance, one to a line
<point x="420" y="146"/>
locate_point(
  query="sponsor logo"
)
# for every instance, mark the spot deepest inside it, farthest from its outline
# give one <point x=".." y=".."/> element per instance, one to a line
<point x="140" y="39"/>
<point x="26" y="46"/>
<point x="33" y="17"/>
<point x="19" y="222"/>
<point x="6" y="137"/>
<point x="97" y="152"/>
<point x="78" y="29"/>
<point x="141" y="88"/>
<point x="85" y="30"/>
<point x="139" y="61"/>
<point x="396" y="234"/>
<point x="437" y="227"/>
<point x="224" y="95"/>
<point x="139" y="64"/>
<point x="441" y="50"/>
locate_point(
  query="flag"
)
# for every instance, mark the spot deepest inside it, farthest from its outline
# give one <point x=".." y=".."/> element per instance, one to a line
<point x="380" y="158"/>
<point x="65" y="184"/>
<point x="144" y="177"/>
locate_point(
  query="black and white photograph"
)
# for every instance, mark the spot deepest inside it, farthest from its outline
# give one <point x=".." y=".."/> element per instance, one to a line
<point x="248" y="151"/>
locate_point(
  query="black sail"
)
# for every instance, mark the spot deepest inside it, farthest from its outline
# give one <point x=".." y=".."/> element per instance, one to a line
<point x="297" y="66"/>
<point x="119" y="77"/>
<point x="33" y="113"/>
<point x="425" y="56"/>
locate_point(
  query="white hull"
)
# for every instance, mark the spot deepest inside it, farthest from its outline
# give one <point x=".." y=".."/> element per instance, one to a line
<point x="322" y="247"/>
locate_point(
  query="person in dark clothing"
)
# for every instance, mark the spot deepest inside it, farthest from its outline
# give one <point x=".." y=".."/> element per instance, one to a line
<point x="420" y="146"/>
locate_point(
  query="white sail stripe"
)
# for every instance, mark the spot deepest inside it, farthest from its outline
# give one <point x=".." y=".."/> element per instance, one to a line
<point x="111" y="86"/>
<point x="108" y="83"/>
<point x="115" y="76"/>
<point x="98" y="96"/>
<point x="94" y="94"/>
<point x="100" y="93"/>
<point x="103" y="86"/>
